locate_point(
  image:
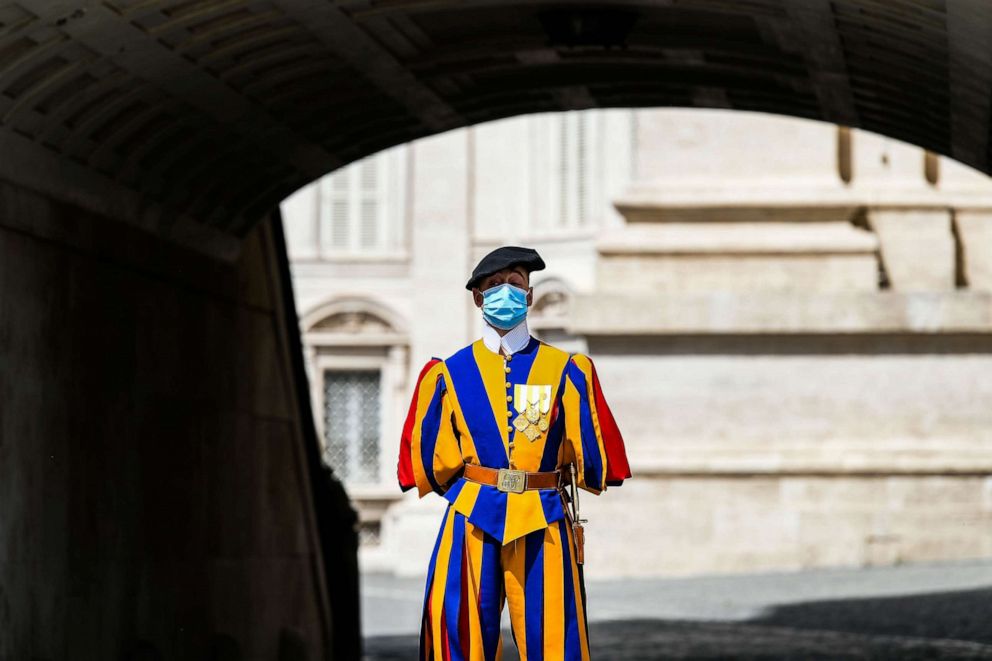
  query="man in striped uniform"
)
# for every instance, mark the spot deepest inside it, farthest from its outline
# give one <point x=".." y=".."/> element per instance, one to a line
<point x="497" y="429"/>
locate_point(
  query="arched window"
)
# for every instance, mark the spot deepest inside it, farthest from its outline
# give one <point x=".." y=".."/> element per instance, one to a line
<point x="357" y="360"/>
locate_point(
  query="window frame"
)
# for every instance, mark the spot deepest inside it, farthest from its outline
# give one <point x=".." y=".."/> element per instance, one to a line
<point x="389" y="361"/>
<point x="377" y="373"/>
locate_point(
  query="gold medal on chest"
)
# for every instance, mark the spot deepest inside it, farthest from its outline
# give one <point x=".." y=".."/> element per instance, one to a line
<point x="520" y="422"/>
<point x="532" y="403"/>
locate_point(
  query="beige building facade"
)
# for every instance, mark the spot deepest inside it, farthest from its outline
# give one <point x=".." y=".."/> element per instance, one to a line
<point x="792" y="323"/>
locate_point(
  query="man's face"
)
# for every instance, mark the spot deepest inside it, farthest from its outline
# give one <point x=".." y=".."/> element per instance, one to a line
<point x="514" y="275"/>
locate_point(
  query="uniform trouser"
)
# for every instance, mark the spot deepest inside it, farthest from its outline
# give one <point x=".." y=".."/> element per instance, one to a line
<point x="470" y="576"/>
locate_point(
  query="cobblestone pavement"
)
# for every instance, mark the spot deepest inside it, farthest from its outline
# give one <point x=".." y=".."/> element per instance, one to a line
<point x="915" y="612"/>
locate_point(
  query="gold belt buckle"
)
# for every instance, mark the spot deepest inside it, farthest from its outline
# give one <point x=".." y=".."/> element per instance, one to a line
<point x="511" y="481"/>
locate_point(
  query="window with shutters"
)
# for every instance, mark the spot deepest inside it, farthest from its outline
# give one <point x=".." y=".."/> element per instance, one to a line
<point x="580" y="160"/>
<point x="361" y="207"/>
<point x="577" y="168"/>
<point x="351" y="424"/>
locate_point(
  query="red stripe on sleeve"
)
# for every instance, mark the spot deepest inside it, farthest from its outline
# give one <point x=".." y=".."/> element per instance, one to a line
<point x="404" y="469"/>
<point x="617" y="468"/>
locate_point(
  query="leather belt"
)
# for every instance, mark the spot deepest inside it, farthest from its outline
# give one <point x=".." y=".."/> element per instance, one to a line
<point x="509" y="480"/>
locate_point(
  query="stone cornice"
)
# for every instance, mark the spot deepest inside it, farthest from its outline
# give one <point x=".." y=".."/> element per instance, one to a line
<point x="620" y="314"/>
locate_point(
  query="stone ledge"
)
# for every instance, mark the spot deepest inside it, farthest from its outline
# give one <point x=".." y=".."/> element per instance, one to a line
<point x="890" y="456"/>
<point x="793" y="467"/>
<point x="620" y="314"/>
<point x="746" y="199"/>
<point x="731" y="238"/>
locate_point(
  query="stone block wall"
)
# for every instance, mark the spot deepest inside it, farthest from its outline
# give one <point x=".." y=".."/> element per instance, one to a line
<point x="684" y="525"/>
<point x="776" y="453"/>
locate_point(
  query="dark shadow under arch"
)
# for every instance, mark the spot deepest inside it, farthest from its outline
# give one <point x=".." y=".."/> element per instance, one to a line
<point x="194" y="120"/>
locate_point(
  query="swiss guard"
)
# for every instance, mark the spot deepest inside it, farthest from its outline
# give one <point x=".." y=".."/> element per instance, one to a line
<point x="506" y="430"/>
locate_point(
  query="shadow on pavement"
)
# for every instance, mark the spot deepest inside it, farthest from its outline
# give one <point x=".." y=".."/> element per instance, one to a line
<point x="948" y="625"/>
<point x="964" y="615"/>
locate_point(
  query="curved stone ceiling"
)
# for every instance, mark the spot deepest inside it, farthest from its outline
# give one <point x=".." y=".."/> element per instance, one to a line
<point x="195" y="117"/>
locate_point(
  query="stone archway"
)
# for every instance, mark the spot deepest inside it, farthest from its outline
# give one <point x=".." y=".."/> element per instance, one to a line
<point x="195" y="118"/>
<point x="158" y="456"/>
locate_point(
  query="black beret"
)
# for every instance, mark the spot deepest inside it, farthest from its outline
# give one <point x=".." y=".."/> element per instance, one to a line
<point x="503" y="258"/>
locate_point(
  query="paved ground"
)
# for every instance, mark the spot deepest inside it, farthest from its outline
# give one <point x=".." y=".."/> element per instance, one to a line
<point x="914" y="612"/>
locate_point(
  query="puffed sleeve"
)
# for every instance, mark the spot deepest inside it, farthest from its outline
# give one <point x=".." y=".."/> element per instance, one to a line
<point x="430" y="455"/>
<point x="593" y="440"/>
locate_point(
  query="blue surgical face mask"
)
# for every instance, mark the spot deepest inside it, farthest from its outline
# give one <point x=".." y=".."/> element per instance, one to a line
<point x="504" y="306"/>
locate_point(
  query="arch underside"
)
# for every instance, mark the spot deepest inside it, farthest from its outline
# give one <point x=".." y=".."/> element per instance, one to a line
<point x="195" y="118"/>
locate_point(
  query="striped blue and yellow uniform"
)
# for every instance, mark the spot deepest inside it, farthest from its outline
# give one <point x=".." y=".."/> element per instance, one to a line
<point x="495" y="546"/>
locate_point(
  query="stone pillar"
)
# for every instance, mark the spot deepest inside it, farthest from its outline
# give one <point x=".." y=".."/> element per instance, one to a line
<point x="301" y="218"/>
<point x="974" y="227"/>
<point x="917" y="247"/>
<point x="441" y="258"/>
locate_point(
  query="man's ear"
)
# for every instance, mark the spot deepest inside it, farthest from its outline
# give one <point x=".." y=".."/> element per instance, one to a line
<point x="530" y="296"/>
<point x="477" y="297"/>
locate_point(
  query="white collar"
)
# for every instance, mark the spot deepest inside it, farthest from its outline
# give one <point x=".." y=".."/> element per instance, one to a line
<point x="512" y="342"/>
